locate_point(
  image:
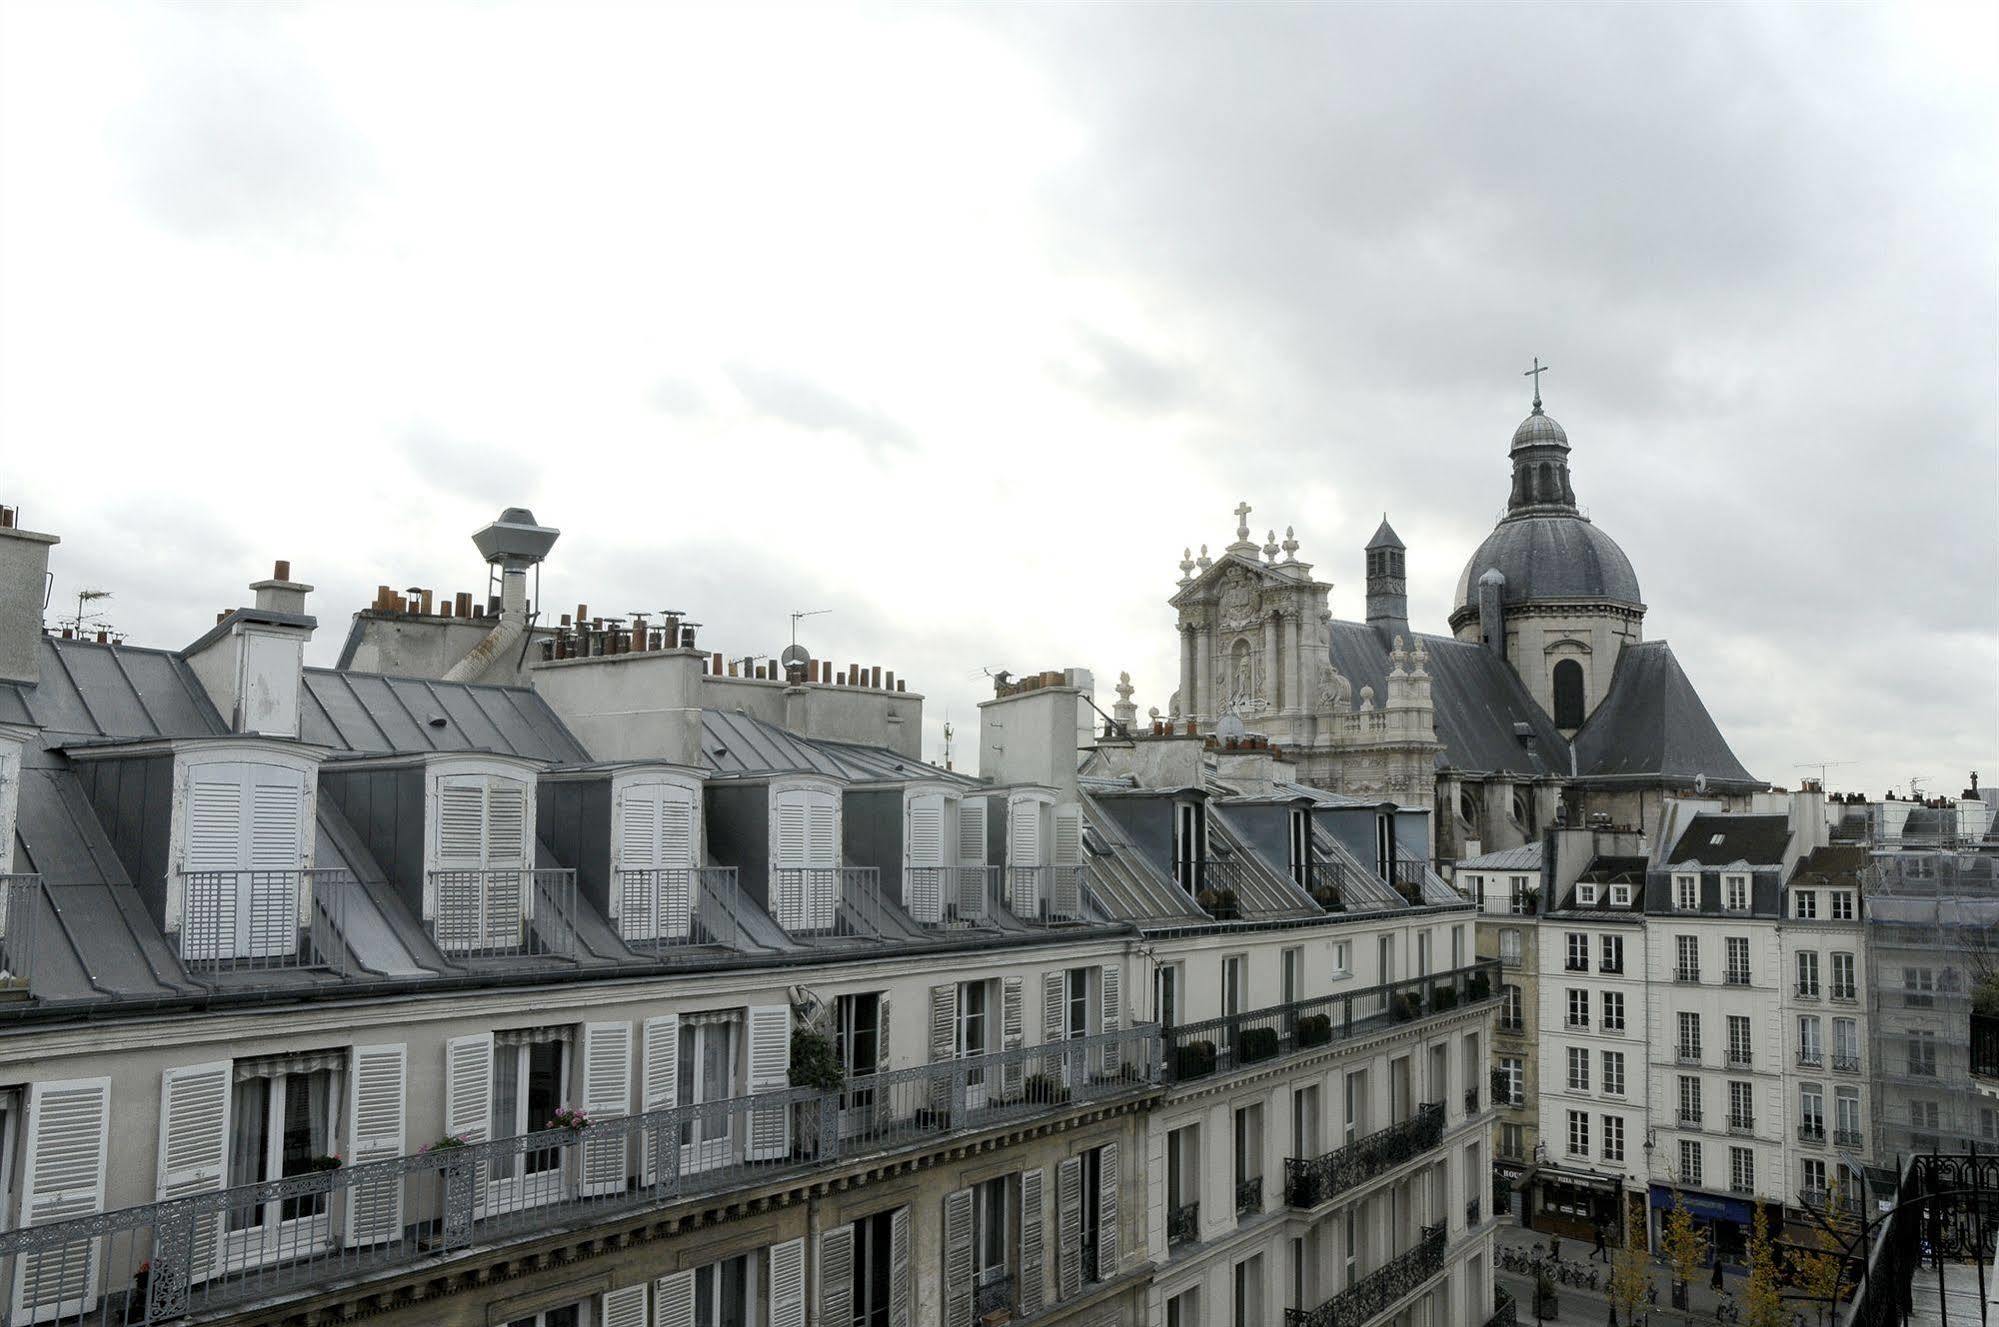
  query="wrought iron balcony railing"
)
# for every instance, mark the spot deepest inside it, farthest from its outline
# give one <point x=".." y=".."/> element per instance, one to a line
<point x="1739" y="1058"/>
<point x="1366" y="1298"/>
<point x="1735" y="977"/>
<point x="1504" y="1314"/>
<point x="1812" y="1131"/>
<point x="949" y="897"/>
<point x="1690" y="1118"/>
<point x="1846" y="1064"/>
<point x="504" y="912"/>
<point x="1811" y="1057"/>
<point x="1471" y="1101"/>
<point x="1849" y="1139"/>
<point x="20" y="915"/>
<point x="1686" y="972"/>
<point x="1235" y="1041"/>
<point x="1844" y="993"/>
<point x="1807" y="990"/>
<point x="232" y="920"/>
<point x="1249" y="1195"/>
<point x="1309" y="1181"/>
<point x="1048" y="895"/>
<point x="1741" y="1124"/>
<point x="668" y="907"/>
<point x="163" y="1261"/>
<point x="994" y="1294"/>
<point x="1610" y="965"/>
<point x="835" y="901"/>
<point x="1183" y="1223"/>
<point x="1687" y="1054"/>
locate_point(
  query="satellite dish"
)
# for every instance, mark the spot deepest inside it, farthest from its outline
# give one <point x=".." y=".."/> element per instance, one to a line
<point x="1700" y="783"/>
<point x="1231" y="727"/>
<point x="795" y="656"/>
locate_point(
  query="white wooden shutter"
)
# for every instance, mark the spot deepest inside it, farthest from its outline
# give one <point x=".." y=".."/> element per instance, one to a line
<point x="461" y="823"/>
<point x="209" y="918"/>
<point x="1107" y="1231"/>
<point x="822" y="830"/>
<point x="68" y="1130"/>
<point x="509" y="855"/>
<point x="1069" y="1227"/>
<point x="1110" y="993"/>
<point x="194" y="1146"/>
<point x="1013" y="1035"/>
<point x="468" y="1087"/>
<point x="679" y="850"/>
<point x="787" y="1284"/>
<point x="623" y="1307"/>
<point x="770" y="1071"/>
<point x="899" y="1289"/>
<point x="1031" y="1288"/>
<point x="790" y="851"/>
<point x="635" y="902"/>
<point x="1065" y="891"/>
<point x="958" y="1259"/>
<point x="836" y="1277"/>
<point x="943" y="1039"/>
<point x="972" y="831"/>
<point x="1054" y="994"/>
<point x="673" y="1300"/>
<point x="607" y="1095"/>
<point x="1023" y="833"/>
<point x="923" y="855"/>
<point x="660" y="1090"/>
<point x="377" y="1087"/>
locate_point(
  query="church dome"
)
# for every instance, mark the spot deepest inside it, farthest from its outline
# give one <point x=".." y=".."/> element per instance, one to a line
<point x="1554" y="556"/>
<point x="1539" y="430"/>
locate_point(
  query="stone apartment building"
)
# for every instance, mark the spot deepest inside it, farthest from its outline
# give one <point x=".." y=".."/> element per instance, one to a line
<point x="1505" y="888"/>
<point x="563" y="974"/>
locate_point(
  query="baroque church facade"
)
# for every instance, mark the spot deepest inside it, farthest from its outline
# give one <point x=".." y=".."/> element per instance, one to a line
<point x="1543" y="705"/>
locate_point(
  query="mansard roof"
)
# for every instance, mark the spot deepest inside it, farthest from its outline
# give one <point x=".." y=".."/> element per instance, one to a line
<point x="1480" y="703"/>
<point x="375" y="713"/>
<point x="1653" y="728"/>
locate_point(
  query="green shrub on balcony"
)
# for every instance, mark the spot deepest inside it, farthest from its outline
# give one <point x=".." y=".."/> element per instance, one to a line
<point x="1481" y="985"/>
<point x="814" y="1063"/>
<point x="1403" y="1007"/>
<point x="1444" y="998"/>
<point x="1196" y="1059"/>
<point x="1315" y="1029"/>
<point x="1253" y="1044"/>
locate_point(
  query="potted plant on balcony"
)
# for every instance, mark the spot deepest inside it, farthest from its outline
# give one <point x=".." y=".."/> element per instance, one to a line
<point x="1253" y="1044"/>
<point x="1443" y="999"/>
<point x="1194" y="1059"/>
<point x="573" y="1118"/>
<point x="815" y="1063"/>
<point x="1042" y="1090"/>
<point x="331" y="1161"/>
<point x="1327" y="897"/>
<point x="1315" y="1029"/>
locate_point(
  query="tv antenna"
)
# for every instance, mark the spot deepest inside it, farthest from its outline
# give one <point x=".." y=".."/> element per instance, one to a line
<point x="947" y="739"/>
<point x="1821" y="766"/>
<point x="83" y="599"/>
<point x="803" y="612"/>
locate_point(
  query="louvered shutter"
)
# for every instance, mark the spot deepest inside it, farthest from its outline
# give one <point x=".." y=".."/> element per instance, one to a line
<point x="1069" y="1227"/>
<point x="623" y="1307"/>
<point x="508" y="856"/>
<point x="194" y="1147"/>
<point x="958" y="1259"/>
<point x="972" y="831"/>
<point x="943" y="1040"/>
<point x="1107" y="1231"/>
<point x="823" y="843"/>
<point x="1013" y="1035"/>
<point x="1065" y="888"/>
<point x="635" y="904"/>
<point x="679" y="851"/>
<point x="789" y="856"/>
<point x="673" y="1300"/>
<point x="770" y="1071"/>
<point x="1054" y="994"/>
<point x="468" y="1087"/>
<point x="836" y="1277"/>
<point x="607" y="1095"/>
<point x="1032" y="1290"/>
<point x="457" y="905"/>
<point x="275" y="853"/>
<point x="899" y="1289"/>
<point x="377" y="1084"/>
<point x="68" y="1129"/>
<point x="1110" y="983"/>
<point x="659" y="1091"/>
<point x="924" y="856"/>
<point x="1023" y="833"/>
<point x="209" y="908"/>
<point x="787" y="1284"/>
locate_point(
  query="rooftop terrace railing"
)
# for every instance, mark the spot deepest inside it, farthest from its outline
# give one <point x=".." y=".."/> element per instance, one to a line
<point x="1984" y="1045"/>
<point x="504" y="912"/>
<point x="1235" y="1041"/>
<point x="835" y="901"/>
<point x="669" y="907"/>
<point x="1366" y="1298"/>
<point x="20" y="914"/>
<point x="318" y="1229"/>
<point x="234" y="920"/>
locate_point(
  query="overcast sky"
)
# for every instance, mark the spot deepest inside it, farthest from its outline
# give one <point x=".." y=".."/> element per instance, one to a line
<point x="963" y="323"/>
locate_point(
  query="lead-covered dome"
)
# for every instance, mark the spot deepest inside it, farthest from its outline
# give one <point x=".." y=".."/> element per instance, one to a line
<point x="1555" y="556"/>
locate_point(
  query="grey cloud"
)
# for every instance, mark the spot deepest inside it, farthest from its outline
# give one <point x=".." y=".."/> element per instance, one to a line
<point x="803" y="403"/>
<point x="1119" y="374"/>
<point x="467" y="469"/>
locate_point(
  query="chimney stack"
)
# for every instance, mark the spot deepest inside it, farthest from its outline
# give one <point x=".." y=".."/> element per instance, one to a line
<point x="24" y="593"/>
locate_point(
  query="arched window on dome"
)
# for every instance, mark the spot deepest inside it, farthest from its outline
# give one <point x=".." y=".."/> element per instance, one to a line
<point x="1544" y="482"/>
<point x="1568" y="694"/>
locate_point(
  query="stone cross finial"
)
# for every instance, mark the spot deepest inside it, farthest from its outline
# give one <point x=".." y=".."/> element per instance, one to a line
<point x="1534" y="373"/>
<point x="1242" y="510"/>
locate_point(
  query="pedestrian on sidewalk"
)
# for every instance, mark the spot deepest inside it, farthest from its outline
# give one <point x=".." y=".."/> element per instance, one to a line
<point x="1715" y="1284"/>
<point x="1601" y="1251"/>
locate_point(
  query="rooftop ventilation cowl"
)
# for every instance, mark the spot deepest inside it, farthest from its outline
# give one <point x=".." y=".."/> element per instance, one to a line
<point x="515" y="542"/>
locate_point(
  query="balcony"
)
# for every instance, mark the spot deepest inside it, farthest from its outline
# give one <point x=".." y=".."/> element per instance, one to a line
<point x="1739" y="1059"/>
<point x="993" y="1295"/>
<point x="1249" y="1196"/>
<point x="20" y="913"/>
<point x="159" y="1262"/>
<point x="1504" y="1314"/>
<point x="1735" y="977"/>
<point x="1845" y="994"/>
<point x="1847" y="1140"/>
<point x="1613" y="967"/>
<point x="840" y="902"/>
<point x="1816" y="1198"/>
<point x="1847" y="1063"/>
<point x="1183" y="1223"/>
<point x="1048" y="895"/>
<point x="1741" y="1124"/>
<point x="1313" y="1180"/>
<point x="952" y="897"/>
<point x="1612" y="1029"/>
<point x="1687" y="974"/>
<point x="1690" y="1118"/>
<point x="1813" y="1132"/>
<point x="1806" y="990"/>
<point x="672" y="907"/>
<point x="1687" y="1054"/>
<point x="1574" y="964"/>
<point x="1235" y="1041"/>
<point x="1368" y="1297"/>
<point x="1811" y="1057"/>
<point x="1580" y="1022"/>
<point x="504" y="913"/>
<point x="242" y="920"/>
<point x="1218" y="886"/>
<point x="1471" y="1101"/>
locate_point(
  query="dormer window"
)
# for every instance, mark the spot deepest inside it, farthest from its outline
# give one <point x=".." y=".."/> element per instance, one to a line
<point x="1620" y="896"/>
<point x="1586" y="894"/>
<point x="241" y="892"/>
<point x="1735" y="893"/>
<point x="481" y="876"/>
<point x="1686" y="893"/>
<point x="805" y="856"/>
<point x="658" y="840"/>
